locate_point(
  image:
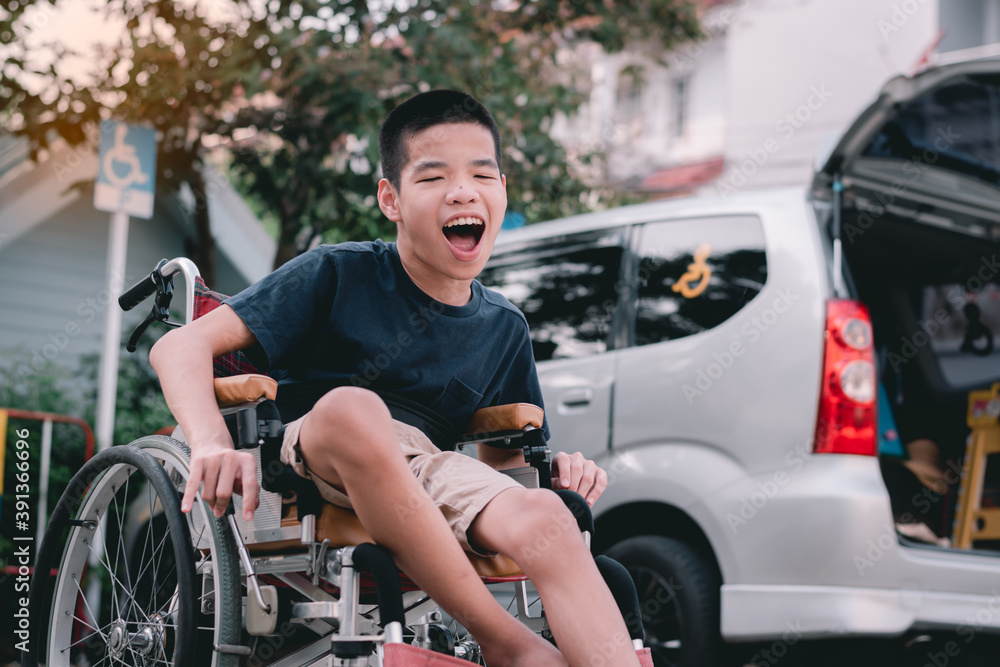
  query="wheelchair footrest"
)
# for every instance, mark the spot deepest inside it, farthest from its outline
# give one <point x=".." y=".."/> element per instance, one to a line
<point x="325" y="610"/>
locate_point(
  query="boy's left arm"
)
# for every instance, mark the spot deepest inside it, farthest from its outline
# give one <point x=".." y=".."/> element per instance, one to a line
<point x="569" y="471"/>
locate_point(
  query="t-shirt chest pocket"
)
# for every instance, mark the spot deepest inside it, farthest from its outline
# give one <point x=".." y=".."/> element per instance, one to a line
<point x="458" y="402"/>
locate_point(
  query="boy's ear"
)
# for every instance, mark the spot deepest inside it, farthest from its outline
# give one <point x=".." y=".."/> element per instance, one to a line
<point x="388" y="200"/>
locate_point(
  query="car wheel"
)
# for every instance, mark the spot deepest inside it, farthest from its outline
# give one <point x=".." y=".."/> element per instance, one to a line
<point x="679" y="598"/>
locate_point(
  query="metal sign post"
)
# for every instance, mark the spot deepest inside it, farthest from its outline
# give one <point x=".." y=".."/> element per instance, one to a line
<point x="125" y="186"/>
<point x="126" y="182"/>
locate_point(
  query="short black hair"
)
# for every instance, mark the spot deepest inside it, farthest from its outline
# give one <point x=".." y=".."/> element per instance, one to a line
<point x="425" y="110"/>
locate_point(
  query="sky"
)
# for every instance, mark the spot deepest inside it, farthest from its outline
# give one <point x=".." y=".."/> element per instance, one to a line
<point x="78" y="25"/>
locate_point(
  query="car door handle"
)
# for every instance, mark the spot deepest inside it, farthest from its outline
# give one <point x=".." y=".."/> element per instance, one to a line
<point x="577" y="398"/>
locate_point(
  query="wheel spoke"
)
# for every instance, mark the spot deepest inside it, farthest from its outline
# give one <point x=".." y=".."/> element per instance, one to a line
<point x="114" y="588"/>
<point x="86" y="604"/>
<point x="151" y="580"/>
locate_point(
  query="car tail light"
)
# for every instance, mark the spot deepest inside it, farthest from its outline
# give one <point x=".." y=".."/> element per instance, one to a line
<point x="846" y="422"/>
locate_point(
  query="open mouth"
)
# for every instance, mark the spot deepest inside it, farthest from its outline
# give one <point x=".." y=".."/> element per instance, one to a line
<point x="464" y="233"/>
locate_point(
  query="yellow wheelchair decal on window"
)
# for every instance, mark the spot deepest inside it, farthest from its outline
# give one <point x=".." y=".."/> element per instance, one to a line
<point x="697" y="272"/>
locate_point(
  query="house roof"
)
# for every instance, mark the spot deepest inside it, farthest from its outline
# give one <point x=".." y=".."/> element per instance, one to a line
<point x="683" y="178"/>
<point x="31" y="193"/>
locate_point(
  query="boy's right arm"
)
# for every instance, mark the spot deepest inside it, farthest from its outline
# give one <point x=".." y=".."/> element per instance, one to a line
<point x="183" y="361"/>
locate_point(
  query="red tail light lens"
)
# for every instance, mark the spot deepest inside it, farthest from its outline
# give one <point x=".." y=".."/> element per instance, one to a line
<point x="846" y="422"/>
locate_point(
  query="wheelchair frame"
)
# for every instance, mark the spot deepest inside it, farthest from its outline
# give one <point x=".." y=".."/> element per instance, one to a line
<point x="214" y="560"/>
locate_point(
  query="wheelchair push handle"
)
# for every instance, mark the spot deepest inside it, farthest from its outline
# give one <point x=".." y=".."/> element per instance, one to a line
<point x="160" y="282"/>
<point x="137" y="293"/>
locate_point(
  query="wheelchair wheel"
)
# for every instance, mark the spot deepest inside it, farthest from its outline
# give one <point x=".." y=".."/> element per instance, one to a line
<point x="219" y="587"/>
<point x="129" y="566"/>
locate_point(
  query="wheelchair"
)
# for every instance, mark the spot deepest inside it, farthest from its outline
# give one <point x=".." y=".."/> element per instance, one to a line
<point x="123" y="577"/>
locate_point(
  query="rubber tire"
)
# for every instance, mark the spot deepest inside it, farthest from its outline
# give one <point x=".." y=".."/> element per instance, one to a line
<point x="88" y="488"/>
<point x="92" y="495"/>
<point x="175" y="456"/>
<point x="679" y="597"/>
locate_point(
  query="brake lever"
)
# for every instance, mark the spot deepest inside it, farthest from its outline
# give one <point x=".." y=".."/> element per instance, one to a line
<point x="159" y="312"/>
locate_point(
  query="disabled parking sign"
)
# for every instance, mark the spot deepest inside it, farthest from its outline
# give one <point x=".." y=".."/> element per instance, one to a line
<point x="126" y="176"/>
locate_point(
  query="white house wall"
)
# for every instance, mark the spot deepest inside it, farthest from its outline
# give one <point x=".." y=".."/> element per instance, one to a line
<point x="800" y="70"/>
<point x="52" y="282"/>
<point x="706" y="131"/>
<point x="772" y="79"/>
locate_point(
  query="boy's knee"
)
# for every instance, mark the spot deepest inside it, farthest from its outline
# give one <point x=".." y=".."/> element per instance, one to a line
<point x="545" y="518"/>
<point x="348" y="408"/>
<point x="342" y="421"/>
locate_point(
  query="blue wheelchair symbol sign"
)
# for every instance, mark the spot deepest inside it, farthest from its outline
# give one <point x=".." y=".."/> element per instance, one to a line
<point x="126" y="177"/>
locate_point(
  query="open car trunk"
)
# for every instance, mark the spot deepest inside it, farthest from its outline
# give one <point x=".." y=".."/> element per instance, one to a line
<point x="914" y="190"/>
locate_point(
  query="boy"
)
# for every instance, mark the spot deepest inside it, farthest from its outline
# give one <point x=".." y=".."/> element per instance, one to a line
<point x="409" y="318"/>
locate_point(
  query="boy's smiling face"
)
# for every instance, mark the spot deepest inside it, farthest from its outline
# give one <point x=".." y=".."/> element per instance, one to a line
<point x="448" y="208"/>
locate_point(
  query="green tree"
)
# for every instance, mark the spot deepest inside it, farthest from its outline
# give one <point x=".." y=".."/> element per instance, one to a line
<point x="293" y="91"/>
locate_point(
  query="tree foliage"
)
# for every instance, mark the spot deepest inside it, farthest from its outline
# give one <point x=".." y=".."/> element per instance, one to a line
<point x="288" y="95"/>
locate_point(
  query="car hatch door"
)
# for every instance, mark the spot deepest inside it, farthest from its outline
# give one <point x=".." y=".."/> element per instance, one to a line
<point x="927" y="149"/>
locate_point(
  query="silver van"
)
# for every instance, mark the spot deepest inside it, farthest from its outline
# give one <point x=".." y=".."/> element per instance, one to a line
<point x="750" y="370"/>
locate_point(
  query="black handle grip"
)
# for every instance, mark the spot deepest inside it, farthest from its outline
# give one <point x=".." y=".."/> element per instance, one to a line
<point x="137" y="293"/>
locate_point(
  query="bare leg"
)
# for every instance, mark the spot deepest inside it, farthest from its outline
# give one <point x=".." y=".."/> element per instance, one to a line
<point x="546" y="543"/>
<point x="348" y="440"/>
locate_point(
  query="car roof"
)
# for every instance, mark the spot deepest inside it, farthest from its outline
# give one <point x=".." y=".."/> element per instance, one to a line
<point x="694" y="206"/>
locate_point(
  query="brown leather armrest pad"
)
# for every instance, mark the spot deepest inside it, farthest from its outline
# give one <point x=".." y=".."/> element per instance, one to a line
<point x="512" y="417"/>
<point x="238" y="389"/>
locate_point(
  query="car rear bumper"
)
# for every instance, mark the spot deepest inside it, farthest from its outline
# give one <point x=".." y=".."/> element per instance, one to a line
<point x="790" y="613"/>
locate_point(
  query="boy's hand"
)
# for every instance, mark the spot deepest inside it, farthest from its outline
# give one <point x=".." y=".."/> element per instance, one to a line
<point x="573" y="472"/>
<point x="224" y="471"/>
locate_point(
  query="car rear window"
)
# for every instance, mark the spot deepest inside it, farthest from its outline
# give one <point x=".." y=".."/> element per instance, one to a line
<point x="694" y="275"/>
<point x="953" y="127"/>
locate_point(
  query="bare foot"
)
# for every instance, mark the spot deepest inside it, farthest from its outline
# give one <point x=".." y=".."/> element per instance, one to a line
<point x="534" y="652"/>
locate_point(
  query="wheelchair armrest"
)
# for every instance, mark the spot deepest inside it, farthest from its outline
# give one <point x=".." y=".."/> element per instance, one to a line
<point x="237" y="389"/>
<point x="515" y="426"/>
<point x="512" y="417"/>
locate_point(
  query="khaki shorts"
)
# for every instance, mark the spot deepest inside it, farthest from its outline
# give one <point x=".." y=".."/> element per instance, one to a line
<point x="460" y="485"/>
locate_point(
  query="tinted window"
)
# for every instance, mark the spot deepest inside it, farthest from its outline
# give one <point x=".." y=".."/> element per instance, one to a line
<point x="567" y="293"/>
<point x="954" y="127"/>
<point x="696" y="274"/>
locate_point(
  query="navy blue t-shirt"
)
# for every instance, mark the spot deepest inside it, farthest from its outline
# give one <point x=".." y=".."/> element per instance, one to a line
<point x="348" y="314"/>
